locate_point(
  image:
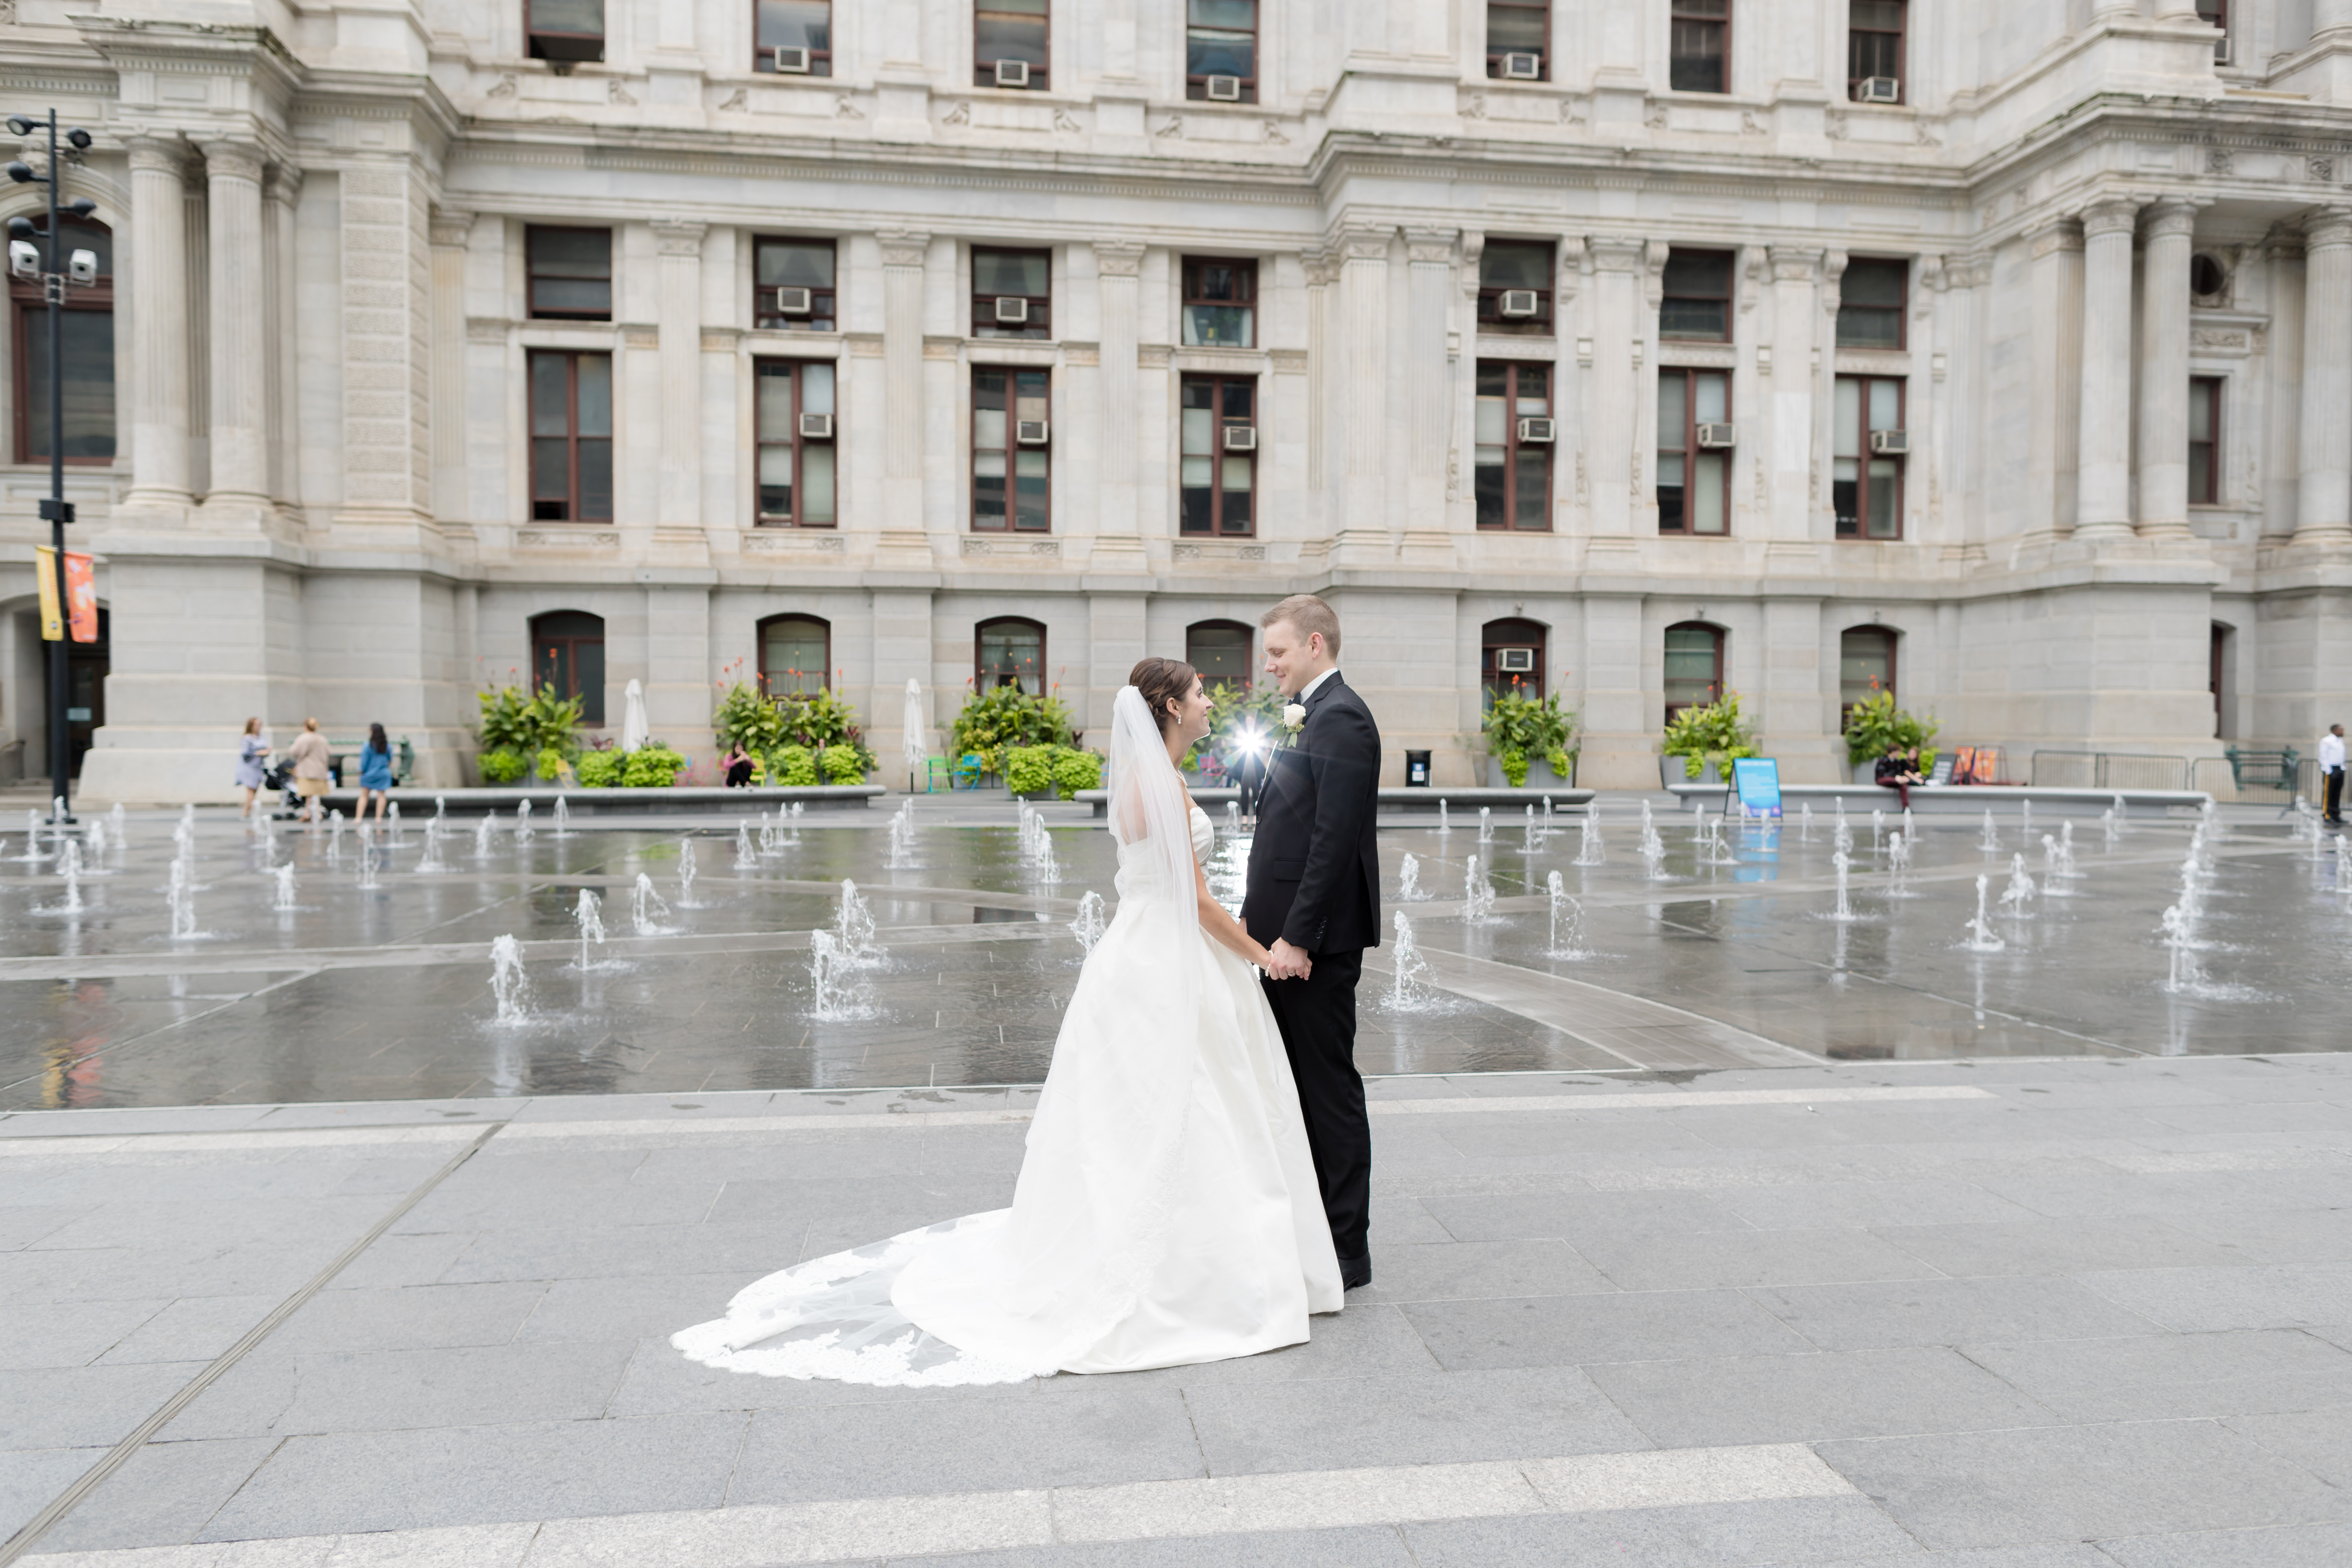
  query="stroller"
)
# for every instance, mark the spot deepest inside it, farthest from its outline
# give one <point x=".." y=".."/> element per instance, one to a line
<point x="279" y="776"/>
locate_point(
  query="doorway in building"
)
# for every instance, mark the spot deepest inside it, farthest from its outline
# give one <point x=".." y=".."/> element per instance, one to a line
<point x="85" y="666"/>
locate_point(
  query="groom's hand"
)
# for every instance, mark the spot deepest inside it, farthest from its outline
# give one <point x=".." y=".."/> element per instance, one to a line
<point x="1287" y="962"/>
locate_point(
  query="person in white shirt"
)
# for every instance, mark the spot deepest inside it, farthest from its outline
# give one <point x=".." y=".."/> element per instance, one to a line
<point x="2331" y="768"/>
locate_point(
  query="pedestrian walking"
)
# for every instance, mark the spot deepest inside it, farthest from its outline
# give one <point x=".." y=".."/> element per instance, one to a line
<point x="375" y="773"/>
<point x="309" y="758"/>
<point x="252" y="752"/>
<point x="2331" y="768"/>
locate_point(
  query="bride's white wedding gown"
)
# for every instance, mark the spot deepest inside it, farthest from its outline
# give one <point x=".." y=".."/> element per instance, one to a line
<point x="1166" y="1212"/>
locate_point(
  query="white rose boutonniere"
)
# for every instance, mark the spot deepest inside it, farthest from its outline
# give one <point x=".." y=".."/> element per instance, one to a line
<point x="1293" y="719"/>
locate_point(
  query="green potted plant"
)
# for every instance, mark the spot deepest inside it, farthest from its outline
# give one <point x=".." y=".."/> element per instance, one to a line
<point x="1527" y="742"/>
<point x="994" y="722"/>
<point x="1700" y="743"/>
<point x="802" y="738"/>
<point x="539" y="733"/>
<point x="1874" y="724"/>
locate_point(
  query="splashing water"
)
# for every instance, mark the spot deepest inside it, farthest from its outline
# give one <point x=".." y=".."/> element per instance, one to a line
<point x="2056" y="867"/>
<point x="482" y="835"/>
<point x="589" y="915"/>
<point x="1877" y="828"/>
<point x="1409" y="880"/>
<point x="1407" y="990"/>
<point x="562" y="817"/>
<point x="116" y="834"/>
<point x="2025" y="819"/>
<point x="1982" y="938"/>
<point x="440" y="805"/>
<point x="1842" y="836"/>
<point x="1529" y="841"/>
<point x="1443" y="826"/>
<point x="368" y="858"/>
<point x="284" y="902"/>
<point x="523" y="828"/>
<point x="1232" y="817"/>
<point x="69" y="868"/>
<point x="2021" y="889"/>
<point x="2109" y="827"/>
<point x="431" y="863"/>
<point x="97" y="842"/>
<point x="1089" y="926"/>
<point x="833" y="981"/>
<point x="509" y="983"/>
<point x="180" y="897"/>
<point x="268" y="846"/>
<point x="747" y="856"/>
<point x="1654" y="850"/>
<point x="1805" y="822"/>
<point x="770" y="839"/>
<point x="853" y="928"/>
<point x="686" y="873"/>
<point x="648" y="912"/>
<point x="1486" y="825"/>
<point x="1991" y="839"/>
<point x="2066" y="849"/>
<point x="334" y="835"/>
<point x="1567" y="921"/>
<point x="902" y="839"/>
<point x="2121" y="810"/>
<point x="1477" y="895"/>
<point x="1844" y="863"/>
<point x="1898" y="861"/>
<point x="1048" y="873"/>
<point x="1589" y="850"/>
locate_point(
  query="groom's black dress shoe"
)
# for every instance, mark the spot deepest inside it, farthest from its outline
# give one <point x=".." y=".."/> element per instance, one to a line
<point x="1355" y="1272"/>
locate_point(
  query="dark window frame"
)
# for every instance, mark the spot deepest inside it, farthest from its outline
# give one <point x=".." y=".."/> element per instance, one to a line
<point x="1510" y="522"/>
<point x="1190" y="277"/>
<point x="2217" y="387"/>
<point x="1511" y="631"/>
<point x="984" y="323"/>
<point x="1691" y="452"/>
<point x="984" y="72"/>
<point x="1219" y="420"/>
<point x="574" y="52"/>
<point x="1860" y="534"/>
<point x="572" y="502"/>
<point x="530" y="279"/>
<point x="2216" y="13"/>
<point x="30" y="309"/>
<point x="763" y="372"/>
<point x="820" y="60"/>
<point x="1894" y="642"/>
<point x="768" y="676"/>
<point x="1249" y="651"/>
<point x="1494" y="56"/>
<point x="979" y="637"/>
<point x="1715" y="684"/>
<point x="1680" y="13"/>
<point x="570" y="642"/>
<point x="1901" y="36"/>
<point x="1728" y="298"/>
<point x="825" y="304"/>
<point x="1196" y="86"/>
<point x="1490" y="302"/>
<point x="1902" y="307"/>
<point x="1010" y="527"/>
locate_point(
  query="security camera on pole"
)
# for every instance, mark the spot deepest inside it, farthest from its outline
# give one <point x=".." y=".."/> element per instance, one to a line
<point x="26" y="260"/>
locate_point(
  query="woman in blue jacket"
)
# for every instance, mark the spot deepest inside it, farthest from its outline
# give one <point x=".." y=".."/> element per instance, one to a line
<point x="375" y="773"/>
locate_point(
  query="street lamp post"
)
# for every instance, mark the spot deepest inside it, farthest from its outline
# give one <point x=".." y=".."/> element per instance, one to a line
<point x="79" y="271"/>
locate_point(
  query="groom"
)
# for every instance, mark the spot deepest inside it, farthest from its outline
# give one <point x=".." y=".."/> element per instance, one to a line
<point x="1314" y="901"/>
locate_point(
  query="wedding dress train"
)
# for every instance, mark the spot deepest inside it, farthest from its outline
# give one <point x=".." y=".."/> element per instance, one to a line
<point x="1166" y="1213"/>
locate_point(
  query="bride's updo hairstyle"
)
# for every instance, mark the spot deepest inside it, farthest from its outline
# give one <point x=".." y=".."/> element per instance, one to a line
<point x="1162" y="681"/>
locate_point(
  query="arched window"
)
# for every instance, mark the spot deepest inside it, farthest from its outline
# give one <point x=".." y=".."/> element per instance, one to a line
<point x="88" y="330"/>
<point x="1010" y="651"/>
<point x="1866" y="667"/>
<point x="567" y="652"/>
<point x="796" y="655"/>
<point x="1220" y="650"/>
<point x="1510" y="659"/>
<point x="1693" y="666"/>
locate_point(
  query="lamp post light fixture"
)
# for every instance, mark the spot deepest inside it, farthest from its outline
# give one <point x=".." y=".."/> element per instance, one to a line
<point x="26" y="260"/>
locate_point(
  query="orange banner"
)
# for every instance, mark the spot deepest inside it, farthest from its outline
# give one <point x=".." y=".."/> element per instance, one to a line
<point x="81" y="596"/>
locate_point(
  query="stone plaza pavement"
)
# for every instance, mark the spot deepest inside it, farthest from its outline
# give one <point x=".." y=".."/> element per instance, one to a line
<point x="2008" y="1314"/>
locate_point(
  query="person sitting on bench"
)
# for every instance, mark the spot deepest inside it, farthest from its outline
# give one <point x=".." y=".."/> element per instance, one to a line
<point x="1898" y="770"/>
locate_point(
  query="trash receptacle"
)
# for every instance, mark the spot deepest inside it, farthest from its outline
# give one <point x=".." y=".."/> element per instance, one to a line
<point x="1416" y="769"/>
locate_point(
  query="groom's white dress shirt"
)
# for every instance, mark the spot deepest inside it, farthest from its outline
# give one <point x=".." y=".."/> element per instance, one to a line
<point x="1308" y="689"/>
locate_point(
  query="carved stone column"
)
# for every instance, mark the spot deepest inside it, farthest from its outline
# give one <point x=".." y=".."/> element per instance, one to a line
<point x="1786" y="363"/>
<point x="2164" y="371"/>
<point x="680" y="328"/>
<point x="902" y="377"/>
<point x="2102" y="486"/>
<point x="239" y="336"/>
<point x="1364" y="385"/>
<point x="1610" y="419"/>
<point x="1118" y="267"/>
<point x="2330" y="16"/>
<point x="2324" y="514"/>
<point x="280" y="190"/>
<point x="159" y="308"/>
<point x="2053" y="423"/>
<point x="450" y="229"/>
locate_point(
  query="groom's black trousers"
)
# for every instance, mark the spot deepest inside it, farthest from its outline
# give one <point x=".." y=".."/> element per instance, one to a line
<point x="1318" y="1015"/>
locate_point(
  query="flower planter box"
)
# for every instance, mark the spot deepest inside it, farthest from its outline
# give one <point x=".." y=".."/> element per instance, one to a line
<point x="1541" y="775"/>
<point x="1671" y="773"/>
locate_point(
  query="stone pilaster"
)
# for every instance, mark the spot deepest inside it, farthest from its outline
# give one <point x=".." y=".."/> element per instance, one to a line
<point x="1322" y="271"/>
<point x="1821" y="511"/>
<point x="2164" y="371"/>
<point x="2324" y="514"/>
<point x="159" y="310"/>
<point x="1364" y="379"/>
<point x="1429" y="296"/>
<point x="1609" y="420"/>
<point x="1118" y="267"/>
<point x="902" y="377"/>
<point x="2103" y="485"/>
<point x="239" y="336"/>
<point x="2054" y="424"/>
<point x="679" y="329"/>
<point x="387" y="372"/>
<point x="280" y="191"/>
<point x="450" y="229"/>
<point x="1791" y="482"/>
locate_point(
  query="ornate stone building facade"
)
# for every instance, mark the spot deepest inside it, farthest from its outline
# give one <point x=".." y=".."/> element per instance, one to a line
<point x="1997" y="351"/>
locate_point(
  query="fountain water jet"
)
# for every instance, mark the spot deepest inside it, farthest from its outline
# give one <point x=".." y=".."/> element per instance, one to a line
<point x="1805" y="822"/>
<point x="482" y="836"/>
<point x="70" y="869"/>
<point x="1407" y="991"/>
<point x="1877" y="827"/>
<point x="648" y="912"/>
<point x="1589" y="850"/>
<point x="431" y="863"/>
<point x="182" y="900"/>
<point x="1529" y="842"/>
<point x="97" y="842"/>
<point x="116" y="834"/>
<point x="1409" y="880"/>
<point x="284" y="902"/>
<point x="1486" y="825"/>
<point x="562" y="817"/>
<point x="509" y="983"/>
<point x="747" y="856"/>
<point x="2021" y="889"/>
<point x="523" y="828"/>
<point x="1567" y="921"/>
<point x="1089" y="926"/>
<point x="853" y="928"/>
<point x="1991" y="839"/>
<point x="1982" y="938"/>
<point x="836" y="993"/>
<point x="589" y="915"/>
<point x="1443" y="826"/>
<point x="1477" y="895"/>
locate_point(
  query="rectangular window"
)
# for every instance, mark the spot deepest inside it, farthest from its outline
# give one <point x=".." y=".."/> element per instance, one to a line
<point x="1012" y="293"/>
<point x="1867" y="486"/>
<point x="570" y="273"/>
<point x="802" y="28"/>
<point x="1518" y="33"/>
<point x="1512" y="477"/>
<point x="87" y="333"/>
<point x="1873" y="46"/>
<point x="1696" y="306"/>
<point x="1866" y="668"/>
<point x="1699" y="45"/>
<point x="1220" y="46"/>
<point x="2205" y="440"/>
<point x="796" y="434"/>
<point x="1013" y="31"/>
<point x="1870" y="304"/>
<point x="1217" y="484"/>
<point x="1694" y="474"/>
<point x="571" y="436"/>
<point x="1010" y="450"/>
<point x="564" y="31"/>
<point x="1220" y="303"/>
<point x="792" y="284"/>
<point x="1693" y="667"/>
<point x="1515" y="287"/>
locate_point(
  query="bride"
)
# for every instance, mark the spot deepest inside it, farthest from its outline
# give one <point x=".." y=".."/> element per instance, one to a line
<point x="1166" y="1212"/>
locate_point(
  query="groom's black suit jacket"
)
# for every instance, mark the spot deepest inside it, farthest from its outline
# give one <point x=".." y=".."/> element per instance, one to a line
<point x="1314" y="867"/>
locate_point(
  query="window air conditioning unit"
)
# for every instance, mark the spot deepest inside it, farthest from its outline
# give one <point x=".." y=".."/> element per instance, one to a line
<point x="1534" y="431"/>
<point x="1878" y="90"/>
<point x="1013" y="73"/>
<point x="1522" y="68"/>
<point x="794" y="301"/>
<point x="1012" y="310"/>
<point x="1225" y="89"/>
<point x="792" y="62"/>
<point x="1515" y="662"/>
<point x="1029" y="432"/>
<point x="1890" y="443"/>
<point x="1719" y="436"/>
<point x="82" y="267"/>
<point x="1516" y="304"/>
<point x="1241" y="437"/>
<point x="24" y="260"/>
<point x="816" y="426"/>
